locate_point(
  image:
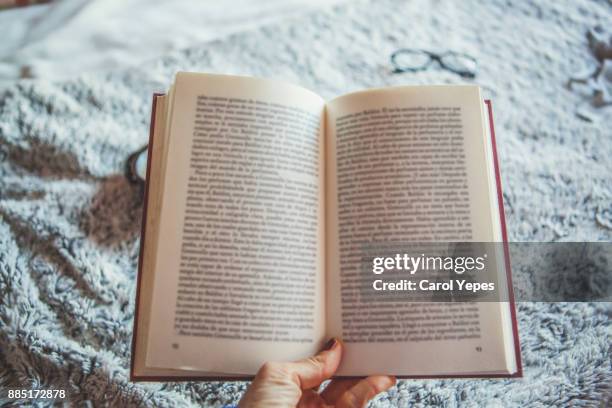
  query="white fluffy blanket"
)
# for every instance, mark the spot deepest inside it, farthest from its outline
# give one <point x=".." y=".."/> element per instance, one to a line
<point x="70" y="221"/>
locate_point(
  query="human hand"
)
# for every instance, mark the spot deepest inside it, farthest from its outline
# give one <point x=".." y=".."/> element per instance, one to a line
<point x="296" y="384"/>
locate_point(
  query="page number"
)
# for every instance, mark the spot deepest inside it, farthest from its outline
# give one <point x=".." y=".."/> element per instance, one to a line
<point x="175" y="346"/>
<point x="478" y="349"/>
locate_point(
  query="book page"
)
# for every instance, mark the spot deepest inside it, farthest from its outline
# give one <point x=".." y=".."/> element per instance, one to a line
<point x="395" y="176"/>
<point x="239" y="261"/>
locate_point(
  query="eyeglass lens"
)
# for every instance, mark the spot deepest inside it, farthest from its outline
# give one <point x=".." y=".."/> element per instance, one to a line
<point x="411" y="60"/>
<point x="459" y="63"/>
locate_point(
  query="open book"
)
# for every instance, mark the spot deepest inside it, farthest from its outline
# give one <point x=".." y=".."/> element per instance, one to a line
<point x="259" y="198"/>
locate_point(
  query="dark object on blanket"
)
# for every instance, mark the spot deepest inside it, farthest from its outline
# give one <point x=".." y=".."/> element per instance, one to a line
<point x="600" y="45"/>
<point x="136" y="165"/>
<point x="6" y="4"/>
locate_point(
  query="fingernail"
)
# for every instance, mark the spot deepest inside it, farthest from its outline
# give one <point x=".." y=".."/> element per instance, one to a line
<point x="331" y="343"/>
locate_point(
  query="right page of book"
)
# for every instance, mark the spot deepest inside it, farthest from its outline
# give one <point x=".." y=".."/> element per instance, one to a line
<point x="409" y="164"/>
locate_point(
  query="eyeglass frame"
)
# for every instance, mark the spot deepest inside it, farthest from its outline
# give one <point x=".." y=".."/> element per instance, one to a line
<point x="432" y="57"/>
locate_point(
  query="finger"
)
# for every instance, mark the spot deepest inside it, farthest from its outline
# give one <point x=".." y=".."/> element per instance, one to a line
<point x="311" y="399"/>
<point x="359" y="395"/>
<point x="336" y="388"/>
<point x="312" y="371"/>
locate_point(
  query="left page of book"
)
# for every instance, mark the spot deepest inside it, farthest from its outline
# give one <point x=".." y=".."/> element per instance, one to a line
<point x="240" y="250"/>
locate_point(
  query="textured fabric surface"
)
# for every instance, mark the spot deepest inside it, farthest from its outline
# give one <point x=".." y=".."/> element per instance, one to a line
<point x="70" y="221"/>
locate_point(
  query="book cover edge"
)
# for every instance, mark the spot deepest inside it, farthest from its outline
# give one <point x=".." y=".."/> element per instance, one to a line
<point x="502" y="216"/>
<point x="143" y="232"/>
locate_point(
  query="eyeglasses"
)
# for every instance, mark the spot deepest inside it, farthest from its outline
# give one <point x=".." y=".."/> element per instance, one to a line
<point x="413" y="60"/>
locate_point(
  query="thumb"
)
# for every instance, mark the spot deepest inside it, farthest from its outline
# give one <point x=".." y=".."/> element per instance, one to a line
<point x="312" y="371"/>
